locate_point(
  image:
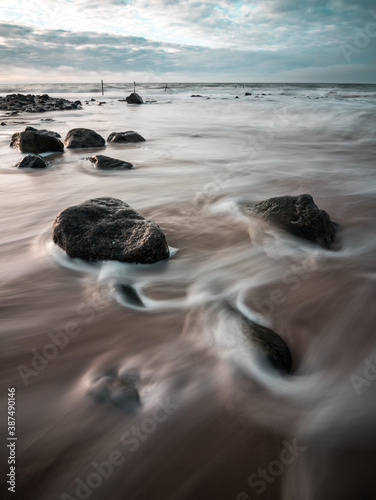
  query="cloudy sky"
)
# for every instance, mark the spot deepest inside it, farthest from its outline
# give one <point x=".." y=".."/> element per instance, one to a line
<point x="190" y="40"/>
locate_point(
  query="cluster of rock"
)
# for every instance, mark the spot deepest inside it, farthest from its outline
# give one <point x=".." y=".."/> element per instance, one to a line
<point x="17" y="103"/>
<point x="109" y="229"/>
<point x="30" y="103"/>
<point x="36" y="141"/>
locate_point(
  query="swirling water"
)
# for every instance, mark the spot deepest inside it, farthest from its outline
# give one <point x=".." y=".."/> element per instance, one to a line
<point x="211" y="419"/>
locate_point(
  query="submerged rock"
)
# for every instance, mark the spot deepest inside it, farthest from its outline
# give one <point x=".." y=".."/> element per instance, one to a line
<point x="83" y="138"/>
<point x="118" y="391"/>
<point x="36" y="141"/>
<point x="128" y="137"/>
<point x="129" y="294"/>
<point x="107" y="163"/>
<point x="109" y="229"/>
<point x="269" y="344"/>
<point x="32" y="161"/>
<point x="134" y="98"/>
<point x="297" y="215"/>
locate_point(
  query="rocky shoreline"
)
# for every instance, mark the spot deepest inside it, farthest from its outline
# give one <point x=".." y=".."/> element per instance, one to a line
<point x="109" y="229"/>
<point x="13" y="104"/>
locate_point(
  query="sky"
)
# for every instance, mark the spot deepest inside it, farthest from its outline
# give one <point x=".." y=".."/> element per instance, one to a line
<point x="331" y="41"/>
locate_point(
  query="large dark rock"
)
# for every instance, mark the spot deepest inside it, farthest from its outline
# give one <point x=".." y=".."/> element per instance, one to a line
<point x="83" y="138"/>
<point x="109" y="229"/>
<point x="106" y="163"/>
<point x="35" y="141"/>
<point x="134" y="99"/>
<point x="298" y="215"/>
<point x="32" y="161"/>
<point x="128" y="137"/>
<point x="269" y="344"/>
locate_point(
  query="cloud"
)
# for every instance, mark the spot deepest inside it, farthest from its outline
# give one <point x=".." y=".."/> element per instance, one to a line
<point x="222" y="38"/>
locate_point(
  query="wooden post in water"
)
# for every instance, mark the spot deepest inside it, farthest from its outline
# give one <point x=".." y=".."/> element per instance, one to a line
<point x="102" y="87"/>
<point x="134" y="87"/>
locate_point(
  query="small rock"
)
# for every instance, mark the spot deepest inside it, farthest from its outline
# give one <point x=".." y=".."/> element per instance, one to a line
<point x="237" y="97"/>
<point x="129" y="294"/>
<point x="297" y="215"/>
<point x="32" y="161"/>
<point x="109" y="229"/>
<point x="269" y="343"/>
<point x="2" y="124"/>
<point x="107" y="163"/>
<point x="120" y="393"/>
<point x="196" y="95"/>
<point x="128" y="137"/>
<point x="247" y="93"/>
<point x="83" y="138"/>
<point x="134" y="99"/>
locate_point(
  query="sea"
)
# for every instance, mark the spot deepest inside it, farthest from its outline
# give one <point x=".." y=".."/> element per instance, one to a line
<point x="213" y="422"/>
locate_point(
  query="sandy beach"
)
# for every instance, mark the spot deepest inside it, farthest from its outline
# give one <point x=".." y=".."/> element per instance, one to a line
<point x="213" y="422"/>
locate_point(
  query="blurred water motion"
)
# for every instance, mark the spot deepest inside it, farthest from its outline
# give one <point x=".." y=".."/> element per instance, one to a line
<point x="209" y="420"/>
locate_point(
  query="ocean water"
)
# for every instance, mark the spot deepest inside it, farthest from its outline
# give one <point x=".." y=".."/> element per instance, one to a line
<point x="213" y="422"/>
